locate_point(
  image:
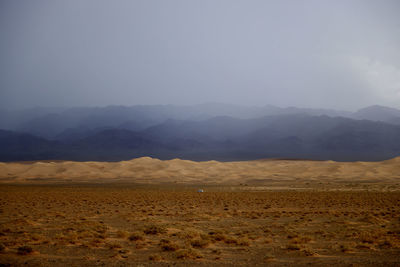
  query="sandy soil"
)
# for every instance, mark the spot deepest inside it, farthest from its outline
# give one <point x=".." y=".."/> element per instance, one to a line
<point x="147" y="212"/>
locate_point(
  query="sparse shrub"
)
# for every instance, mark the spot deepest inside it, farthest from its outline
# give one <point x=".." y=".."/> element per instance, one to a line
<point x="243" y="241"/>
<point x="300" y="240"/>
<point x="114" y="245"/>
<point x="123" y="251"/>
<point x="217" y="236"/>
<point x="86" y="234"/>
<point x="267" y="240"/>
<point x="291" y="236"/>
<point x="155" y="257"/>
<point x="216" y="251"/>
<point x="24" y="250"/>
<point x="136" y="236"/>
<point x="36" y="237"/>
<point x="95" y="242"/>
<point x="308" y="252"/>
<point x="189" y="234"/>
<point x="100" y="236"/>
<point x="204" y="236"/>
<point x="364" y="246"/>
<point x="140" y="245"/>
<point x="386" y="244"/>
<point x="122" y="234"/>
<point x="293" y="247"/>
<point x="200" y="243"/>
<point x="366" y="237"/>
<point x="269" y="257"/>
<point x="188" y="254"/>
<point x="168" y="245"/>
<point x="346" y="248"/>
<point x="154" y="230"/>
<point x="266" y="229"/>
<point x="231" y="240"/>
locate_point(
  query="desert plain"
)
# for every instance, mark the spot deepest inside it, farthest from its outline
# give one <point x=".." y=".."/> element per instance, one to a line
<point x="148" y="212"/>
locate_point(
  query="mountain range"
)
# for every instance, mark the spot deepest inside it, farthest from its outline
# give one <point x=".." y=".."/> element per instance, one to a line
<point x="202" y="132"/>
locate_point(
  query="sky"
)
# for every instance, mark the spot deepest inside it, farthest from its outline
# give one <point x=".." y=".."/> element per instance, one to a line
<point x="342" y="54"/>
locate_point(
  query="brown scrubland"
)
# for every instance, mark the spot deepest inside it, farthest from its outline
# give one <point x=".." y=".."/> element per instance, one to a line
<point x="147" y="212"/>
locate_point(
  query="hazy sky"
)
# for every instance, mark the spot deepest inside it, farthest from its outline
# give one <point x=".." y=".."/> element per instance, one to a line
<point x="340" y="54"/>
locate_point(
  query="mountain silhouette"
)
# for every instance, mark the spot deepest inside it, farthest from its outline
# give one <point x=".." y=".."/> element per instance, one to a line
<point x="119" y="133"/>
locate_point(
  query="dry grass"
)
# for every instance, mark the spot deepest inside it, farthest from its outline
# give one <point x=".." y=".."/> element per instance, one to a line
<point x="154" y="230"/>
<point x="59" y="225"/>
<point x="188" y="254"/>
<point x="137" y="236"/>
<point x="200" y="243"/>
<point x="25" y="250"/>
<point x="168" y="245"/>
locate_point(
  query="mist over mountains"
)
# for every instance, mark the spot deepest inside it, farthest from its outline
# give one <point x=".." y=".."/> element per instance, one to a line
<point x="201" y="132"/>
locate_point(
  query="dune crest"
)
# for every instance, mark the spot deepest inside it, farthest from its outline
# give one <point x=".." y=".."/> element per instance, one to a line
<point x="151" y="170"/>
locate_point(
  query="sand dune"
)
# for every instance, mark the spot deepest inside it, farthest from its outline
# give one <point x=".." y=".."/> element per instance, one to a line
<point x="150" y="170"/>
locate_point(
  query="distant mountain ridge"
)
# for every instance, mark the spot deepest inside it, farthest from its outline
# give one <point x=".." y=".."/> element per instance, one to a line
<point x="378" y="113"/>
<point x="52" y="122"/>
<point x="202" y="132"/>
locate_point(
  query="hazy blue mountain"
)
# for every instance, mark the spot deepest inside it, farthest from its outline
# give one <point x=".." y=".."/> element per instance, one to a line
<point x="73" y="134"/>
<point x="378" y="113"/>
<point x="53" y="123"/>
<point x="215" y="129"/>
<point x="298" y="136"/>
<point x="326" y="138"/>
<point x="192" y="132"/>
<point x="21" y="146"/>
<point x="117" y="139"/>
<point x="57" y="123"/>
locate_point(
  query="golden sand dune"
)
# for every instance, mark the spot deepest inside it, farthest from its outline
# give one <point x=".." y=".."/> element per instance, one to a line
<point x="150" y="170"/>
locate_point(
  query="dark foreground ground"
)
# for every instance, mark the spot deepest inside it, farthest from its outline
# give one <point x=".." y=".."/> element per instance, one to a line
<point x="131" y="225"/>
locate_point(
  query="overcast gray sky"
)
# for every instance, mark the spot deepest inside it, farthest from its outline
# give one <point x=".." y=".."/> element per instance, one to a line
<point x="342" y="54"/>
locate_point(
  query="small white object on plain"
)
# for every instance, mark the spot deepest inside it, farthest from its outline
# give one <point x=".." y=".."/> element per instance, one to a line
<point x="200" y="190"/>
